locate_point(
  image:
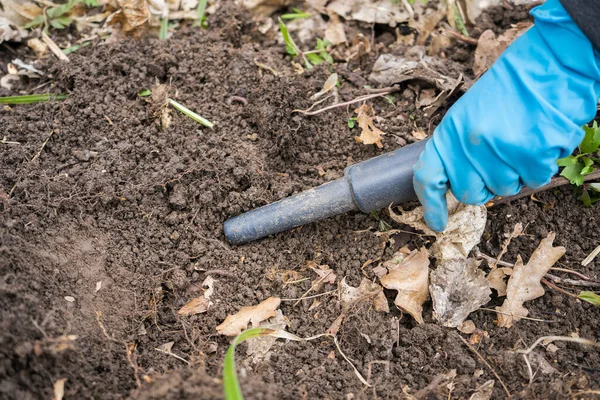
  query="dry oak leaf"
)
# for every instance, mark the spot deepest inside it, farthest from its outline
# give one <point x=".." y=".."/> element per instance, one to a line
<point x="367" y="290"/>
<point x="133" y="14"/>
<point x="199" y="304"/>
<point x="236" y="323"/>
<point x="369" y="133"/>
<point x="465" y="226"/>
<point x="524" y="283"/>
<point x="411" y="279"/>
<point x="326" y="275"/>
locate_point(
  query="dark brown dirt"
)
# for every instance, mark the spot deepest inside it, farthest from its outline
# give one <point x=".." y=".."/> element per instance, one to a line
<point x="113" y="198"/>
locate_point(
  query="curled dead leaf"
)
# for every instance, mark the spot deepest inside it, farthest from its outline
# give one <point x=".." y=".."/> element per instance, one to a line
<point x="410" y="278"/>
<point x="524" y="283"/>
<point x="236" y="323"/>
<point x="465" y="226"/>
<point x="458" y="287"/>
<point x="59" y="389"/>
<point x="366" y="291"/>
<point x="334" y="32"/>
<point x="369" y="133"/>
<point x="329" y="85"/>
<point x="195" y="306"/>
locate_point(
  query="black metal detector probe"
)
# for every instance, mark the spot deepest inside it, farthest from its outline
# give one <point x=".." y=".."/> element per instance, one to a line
<point x="367" y="186"/>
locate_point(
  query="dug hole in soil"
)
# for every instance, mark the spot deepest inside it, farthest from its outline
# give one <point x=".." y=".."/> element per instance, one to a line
<point x="113" y="227"/>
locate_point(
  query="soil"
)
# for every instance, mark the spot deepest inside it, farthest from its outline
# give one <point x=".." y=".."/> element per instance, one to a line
<point x="111" y="223"/>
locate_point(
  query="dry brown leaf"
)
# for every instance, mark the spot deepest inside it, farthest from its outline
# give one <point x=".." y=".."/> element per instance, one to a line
<point x="366" y="291"/>
<point x="236" y="323"/>
<point x="465" y="226"/>
<point x="327" y="86"/>
<point x="360" y="47"/>
<point x="59" y="389"/>
<point x="489" y="47"/>
<point x="324" y="273"/>
<point x="133" y="14"/>
<point x="458" y="287"/>
<point x="467" y="327"/>
<point x="336" y="325"/>
<point x="381" y="12"/>
<point x="200" y="304"/>
<point x="524" y="283"/>
<point x="258" y="348"/>
<point x="369" y="133"/>
<point x="426" y="22"/>
<point x="411" y="279"/>
<point x="263" y="8"/>
<point x="483" y="392"/>
<point x="334" y="32"/>
<point x="195" y="306"/>
<point x="496" y="277"/>
<point x="419" y="134"/>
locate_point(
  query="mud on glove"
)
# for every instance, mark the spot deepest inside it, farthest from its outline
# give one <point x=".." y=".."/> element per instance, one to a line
<point x="512" y="125"/>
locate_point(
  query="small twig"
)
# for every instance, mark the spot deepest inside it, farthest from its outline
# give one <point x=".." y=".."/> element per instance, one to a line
<point x="265" y="67"/>
<point x="529" y="370"/>
<point x="554" y="183"/>
<point x="382" y="90"/>
<point x="570" y="271"/>
<point x="505" y="313"/>
<point x="459" y="36"/>
<point x="492" y="260"/>
<point x="347" y="103"/>
<point x="563" y="291"/>
<point x="311" y="297"/>
<point x="37" y="155"/>
<point x="573" y="282"/>
<point x="174" y="355"/>
<point x="487" y="365"/>
<point x="549" y="339"/>
<point x="127" y="352"/>
<point x="54" y="47"/>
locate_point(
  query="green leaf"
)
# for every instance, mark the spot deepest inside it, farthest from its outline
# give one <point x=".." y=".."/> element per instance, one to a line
<point x="314" y="58"/>
<point x="186" y="111"/>
<point x="200" y="11"/>
<point x="351" y="123"/>
<point x="231" y="386"/>
<point x="145" y="93"/>
<point x="390" y="98"/>
<point x="573" y="173"/>
<point x="589" y="166"/>
<point x="290" y="46"/>
<point x="75" y="47"/>
<point x="37" y="21"/>
<point x="56" y="12"/>
<point x="564" y="162"/>
<point x="61" y="22"/>
<point x="590" y="297"/>
<point x="322" y="45"/>
<point x="31" y="98"/>
<point x="585" y="198"/>
<point x="591" y="141"/>
<point x="297" y="14"/>
<point x="91" y="3"/>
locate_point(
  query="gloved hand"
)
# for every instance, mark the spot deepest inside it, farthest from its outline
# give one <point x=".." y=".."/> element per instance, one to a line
<point x="523" y="114"/>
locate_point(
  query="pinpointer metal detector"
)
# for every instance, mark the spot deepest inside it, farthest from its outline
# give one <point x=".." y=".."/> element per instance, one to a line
<point x="367" y="186"/>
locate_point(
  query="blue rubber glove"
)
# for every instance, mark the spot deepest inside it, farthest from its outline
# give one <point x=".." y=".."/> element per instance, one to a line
<point x="512" y="125"/>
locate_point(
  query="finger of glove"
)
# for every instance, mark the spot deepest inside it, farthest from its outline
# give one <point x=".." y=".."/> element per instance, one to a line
<point x="431" y="184"/>
<point x="465" y="182"/>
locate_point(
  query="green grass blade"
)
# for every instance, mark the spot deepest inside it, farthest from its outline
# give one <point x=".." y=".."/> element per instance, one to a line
<point x="164" y="27"/>
<point x="145" y="93"/>
<point x="75" y="47"/>
<point x="200" y="11"/>
<point x="31" y="98"/>
<point x="231" y="386"/>
<point x="191" y="114"/>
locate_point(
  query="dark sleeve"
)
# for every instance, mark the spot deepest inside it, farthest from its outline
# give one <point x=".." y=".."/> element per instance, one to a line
<point x="586" y="14"/>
